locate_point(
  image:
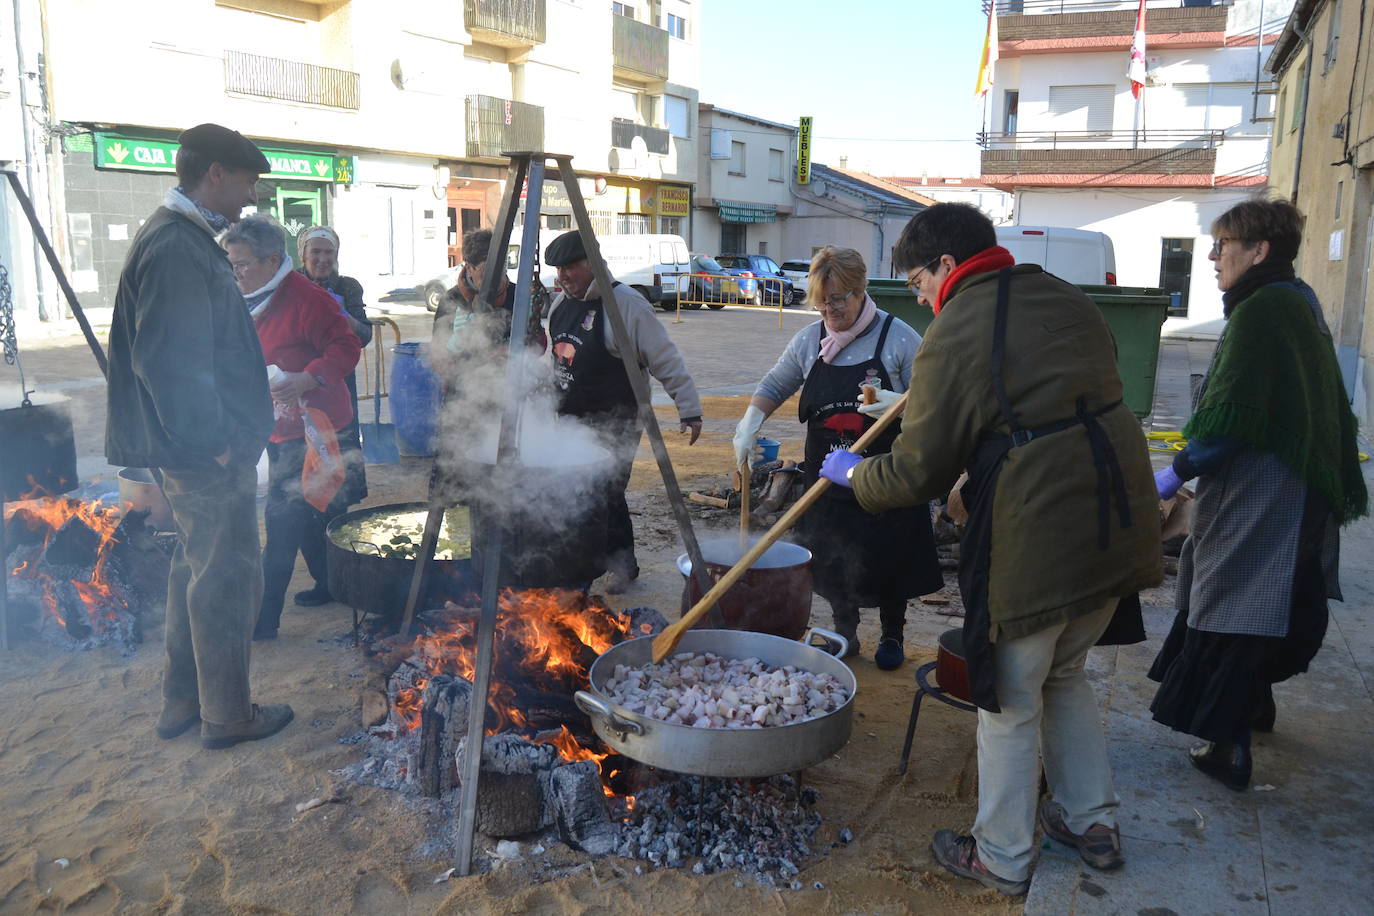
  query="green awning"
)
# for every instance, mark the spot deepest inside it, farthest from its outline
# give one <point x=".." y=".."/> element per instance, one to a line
<point x="735" y="212"/>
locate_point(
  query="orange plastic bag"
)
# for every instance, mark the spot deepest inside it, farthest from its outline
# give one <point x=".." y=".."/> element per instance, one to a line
<point x="323" y="473"/>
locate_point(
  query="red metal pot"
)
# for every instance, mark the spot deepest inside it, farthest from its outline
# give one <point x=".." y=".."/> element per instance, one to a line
<point x="773" y="597"/>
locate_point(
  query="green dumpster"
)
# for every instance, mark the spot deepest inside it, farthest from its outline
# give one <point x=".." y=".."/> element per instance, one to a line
<point x="1134" y="313"/>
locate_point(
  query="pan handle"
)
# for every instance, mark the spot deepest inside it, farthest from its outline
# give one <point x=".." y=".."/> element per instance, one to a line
<point x="594" y="706"/>
<point x="834" y="643"/>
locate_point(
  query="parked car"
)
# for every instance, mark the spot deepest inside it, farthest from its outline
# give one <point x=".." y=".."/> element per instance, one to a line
<point x="1075" y="255"/>
<point x="707" y="285"/>
<point x="759" y="267"/>
<point x="797" y="272"/>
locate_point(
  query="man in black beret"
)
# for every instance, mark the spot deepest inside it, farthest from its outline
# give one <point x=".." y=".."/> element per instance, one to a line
<point x="188" y="397"/>
<point x="594" y="386"/>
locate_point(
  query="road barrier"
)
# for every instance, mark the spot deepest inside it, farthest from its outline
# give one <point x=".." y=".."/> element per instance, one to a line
<point x="716" y="291"/>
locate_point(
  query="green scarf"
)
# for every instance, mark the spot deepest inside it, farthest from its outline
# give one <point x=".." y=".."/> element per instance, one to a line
<point x="1275" y="386"/>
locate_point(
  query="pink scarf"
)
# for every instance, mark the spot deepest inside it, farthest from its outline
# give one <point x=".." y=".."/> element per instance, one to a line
<point x="835" y="341"/>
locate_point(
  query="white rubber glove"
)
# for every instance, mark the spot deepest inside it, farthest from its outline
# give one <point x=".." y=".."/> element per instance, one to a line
<point x="885" y="400"/>
<point x="746" y="435"/>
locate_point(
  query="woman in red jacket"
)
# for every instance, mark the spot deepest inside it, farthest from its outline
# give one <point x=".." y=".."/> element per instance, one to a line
<point x="307" y="338"/>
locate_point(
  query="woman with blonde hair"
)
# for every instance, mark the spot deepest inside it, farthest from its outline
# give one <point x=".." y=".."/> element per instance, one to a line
<point x="859" y="560"/>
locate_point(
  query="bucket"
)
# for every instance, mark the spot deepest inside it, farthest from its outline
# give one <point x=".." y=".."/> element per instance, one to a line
<point x="769" y="449"/>
<point x="773" y="597"/>
<point x="414" y="400"/>
<point x="137" y="487"/>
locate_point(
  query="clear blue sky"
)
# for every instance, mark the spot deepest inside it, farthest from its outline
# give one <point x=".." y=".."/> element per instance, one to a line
<point x="885" y="71"/>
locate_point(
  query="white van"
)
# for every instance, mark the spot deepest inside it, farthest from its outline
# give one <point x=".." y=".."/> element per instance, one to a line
<point x="1075" y="255"/>
<point x="649" y="263"/>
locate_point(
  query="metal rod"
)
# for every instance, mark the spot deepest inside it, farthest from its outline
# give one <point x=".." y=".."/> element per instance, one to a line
<point x="434" y="520"/>
<point x="61" y="275"/>
<point x="639" y="380"/>
<point x="507" y="454"/>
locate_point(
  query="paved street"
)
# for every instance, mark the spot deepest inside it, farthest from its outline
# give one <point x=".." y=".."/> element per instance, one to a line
<point x="1296" y="843"/>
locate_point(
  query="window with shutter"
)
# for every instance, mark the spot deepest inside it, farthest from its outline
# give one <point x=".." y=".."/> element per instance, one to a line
<point x="1082" y="108"/>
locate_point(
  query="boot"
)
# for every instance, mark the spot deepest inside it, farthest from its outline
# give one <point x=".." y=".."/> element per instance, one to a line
<point x="176" y="718"/>
<point x="265" y="722"/>
<point x="847" y="625"/>
<point x="313" y="597"/>
<point x="891" y="653"/>
<point x="1228" y="764"/>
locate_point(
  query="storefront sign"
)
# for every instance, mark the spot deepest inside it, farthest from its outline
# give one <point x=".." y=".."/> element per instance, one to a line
<point x="345" y="167"/>
<point x="674" y="200"/>
<point x="115" y="151"/>
<point x="804" y="152"/>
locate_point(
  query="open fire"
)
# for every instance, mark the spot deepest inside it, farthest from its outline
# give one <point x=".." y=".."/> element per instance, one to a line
<point x="81" y="568"/>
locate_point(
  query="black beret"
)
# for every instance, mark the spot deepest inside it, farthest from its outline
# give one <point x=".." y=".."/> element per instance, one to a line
<point x="566" y="249"/>
<point x="229" y="148"/>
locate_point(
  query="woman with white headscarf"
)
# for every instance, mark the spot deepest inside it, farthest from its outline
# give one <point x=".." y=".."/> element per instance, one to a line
<point x="318" y="248"/>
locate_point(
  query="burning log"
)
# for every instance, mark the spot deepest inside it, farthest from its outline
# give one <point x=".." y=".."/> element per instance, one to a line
<point x="443" y="725"/>
<point x="75" y="544"/>
<point x="24" y="527"/>
<point x="514" y="797"/>
<point x="584" y="822"/>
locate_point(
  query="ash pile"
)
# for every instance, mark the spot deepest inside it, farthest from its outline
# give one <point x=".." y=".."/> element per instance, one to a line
<point x="81" y="574"/>
<point x="546" y="777"/>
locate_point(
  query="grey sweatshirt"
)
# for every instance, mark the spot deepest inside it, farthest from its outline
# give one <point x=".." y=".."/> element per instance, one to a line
<point x="792" y="368"/>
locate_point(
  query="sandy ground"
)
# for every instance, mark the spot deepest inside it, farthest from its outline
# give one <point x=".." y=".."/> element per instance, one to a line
<point x="164" y="826"/>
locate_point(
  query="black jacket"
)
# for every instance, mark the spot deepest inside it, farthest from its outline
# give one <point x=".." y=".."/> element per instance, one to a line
<point x="186" y="379"/>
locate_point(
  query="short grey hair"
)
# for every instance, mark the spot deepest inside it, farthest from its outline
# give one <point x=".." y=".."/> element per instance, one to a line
<point x="262" y="234"/>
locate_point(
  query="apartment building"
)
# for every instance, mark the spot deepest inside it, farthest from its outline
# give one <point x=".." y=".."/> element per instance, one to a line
<point x="744" y="183"/>
<point x="1323" y="160"/>
<point x="383" y="118"/>
<point x="1066" y="136"/>
<point x="995" y="202"/>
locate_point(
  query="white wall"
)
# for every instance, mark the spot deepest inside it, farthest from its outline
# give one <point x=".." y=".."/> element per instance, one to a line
<point x="1138" y="219"/>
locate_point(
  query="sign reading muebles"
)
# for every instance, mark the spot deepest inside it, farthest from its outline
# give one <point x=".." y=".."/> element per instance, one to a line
<point x="136" y="154"/>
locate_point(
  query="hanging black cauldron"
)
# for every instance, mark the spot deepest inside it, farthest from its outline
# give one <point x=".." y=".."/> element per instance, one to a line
<point x="37" y="450"/>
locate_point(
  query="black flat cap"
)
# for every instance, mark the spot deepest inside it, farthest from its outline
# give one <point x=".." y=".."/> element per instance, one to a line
<point x="229" y="148"/>
<point x="566" y="249"/>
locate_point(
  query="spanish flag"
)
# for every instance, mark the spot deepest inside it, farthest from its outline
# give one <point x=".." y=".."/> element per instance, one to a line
<point x="989" y="53"/>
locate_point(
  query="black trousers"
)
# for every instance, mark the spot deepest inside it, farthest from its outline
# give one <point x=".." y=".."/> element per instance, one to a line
<point x="293" y="526"/>
<point x="623" y="440"/>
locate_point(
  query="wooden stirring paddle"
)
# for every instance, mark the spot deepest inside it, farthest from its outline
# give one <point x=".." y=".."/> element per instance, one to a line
<point x="744" y="504"/>
<point x="666" y="641"/>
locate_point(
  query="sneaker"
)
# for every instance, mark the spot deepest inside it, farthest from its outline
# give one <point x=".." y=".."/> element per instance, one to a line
<point x="890" y="654"/>
<point x="313" y="597"/>
<point x="1099" y="845"/>
<point x="175" y="719"/>
<point x="1229" y="764"/>
<point x="959" y="854"/>
<point x="266" y="721"/>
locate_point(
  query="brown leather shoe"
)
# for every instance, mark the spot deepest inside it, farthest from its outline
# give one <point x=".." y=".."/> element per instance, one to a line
<point x="266" y="721"/>
<point x="1099" y="845"/>
<point x="175" y="719"/>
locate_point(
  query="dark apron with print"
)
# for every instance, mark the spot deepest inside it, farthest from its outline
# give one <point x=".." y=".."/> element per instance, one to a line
<point x="979" y="494"/>
<point x="591" y="383"/>
<point x="858" y="559"/>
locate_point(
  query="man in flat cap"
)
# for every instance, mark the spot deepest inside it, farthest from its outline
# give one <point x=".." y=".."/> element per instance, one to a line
<point x="593" y="384"/>
<point x="188" y="397"/>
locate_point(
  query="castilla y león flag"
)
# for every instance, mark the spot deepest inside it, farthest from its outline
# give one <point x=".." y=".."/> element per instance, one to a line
<point x="1136" y="71"/>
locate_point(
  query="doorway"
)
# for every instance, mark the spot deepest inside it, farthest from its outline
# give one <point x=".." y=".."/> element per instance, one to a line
<point x="732" y="238"/>
<point x="1176" y="273"/>
<point x="296" y="209"/>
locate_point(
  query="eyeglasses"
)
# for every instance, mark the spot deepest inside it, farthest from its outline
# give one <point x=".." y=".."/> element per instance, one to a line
<point x="1220" y="241"/>
<point x="836" y="303"/>
<point x="239" y="267"/>
<point x="913" y="282"/>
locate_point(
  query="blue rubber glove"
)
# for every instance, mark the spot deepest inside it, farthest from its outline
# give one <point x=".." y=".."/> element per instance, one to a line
<point x="1167" y="482"/>
<point x="837" y="465"/>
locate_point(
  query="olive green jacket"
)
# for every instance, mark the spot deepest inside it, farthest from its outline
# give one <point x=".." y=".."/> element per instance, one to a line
<point x="1046" y="566"/>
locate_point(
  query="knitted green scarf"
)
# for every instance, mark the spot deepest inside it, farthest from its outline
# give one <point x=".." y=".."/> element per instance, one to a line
<point x="1275" y="385"/>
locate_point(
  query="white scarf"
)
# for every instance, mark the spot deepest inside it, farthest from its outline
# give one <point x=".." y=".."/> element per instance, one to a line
<point x="260" y="299"/>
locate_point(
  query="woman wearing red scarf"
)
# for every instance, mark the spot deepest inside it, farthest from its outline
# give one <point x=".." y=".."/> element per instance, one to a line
<point x="1020" y="387"/>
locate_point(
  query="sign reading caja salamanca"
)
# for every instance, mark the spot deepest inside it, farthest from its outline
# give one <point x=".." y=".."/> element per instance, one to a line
<point x="116" y="151"/>
<point x="804" y="152"/>
<point x="674" y="200"/>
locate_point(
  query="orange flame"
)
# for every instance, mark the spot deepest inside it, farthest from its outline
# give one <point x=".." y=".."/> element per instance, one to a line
<point x="547" y="637"/>
<point x="99" y="598"/>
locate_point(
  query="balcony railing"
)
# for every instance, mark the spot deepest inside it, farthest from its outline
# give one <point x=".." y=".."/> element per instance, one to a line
<point x="497" y="125"/>
<point x="623" y="133"/>
<point x="639" y="49"/>
<point x="289" y="80"/>
<point x="507" y="23"/>
<point x="1040" y="7"/>
<point x="1109" y="139"/>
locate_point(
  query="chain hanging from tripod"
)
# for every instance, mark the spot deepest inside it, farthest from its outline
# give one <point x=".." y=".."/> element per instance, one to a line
<point x="8" y="338"/>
